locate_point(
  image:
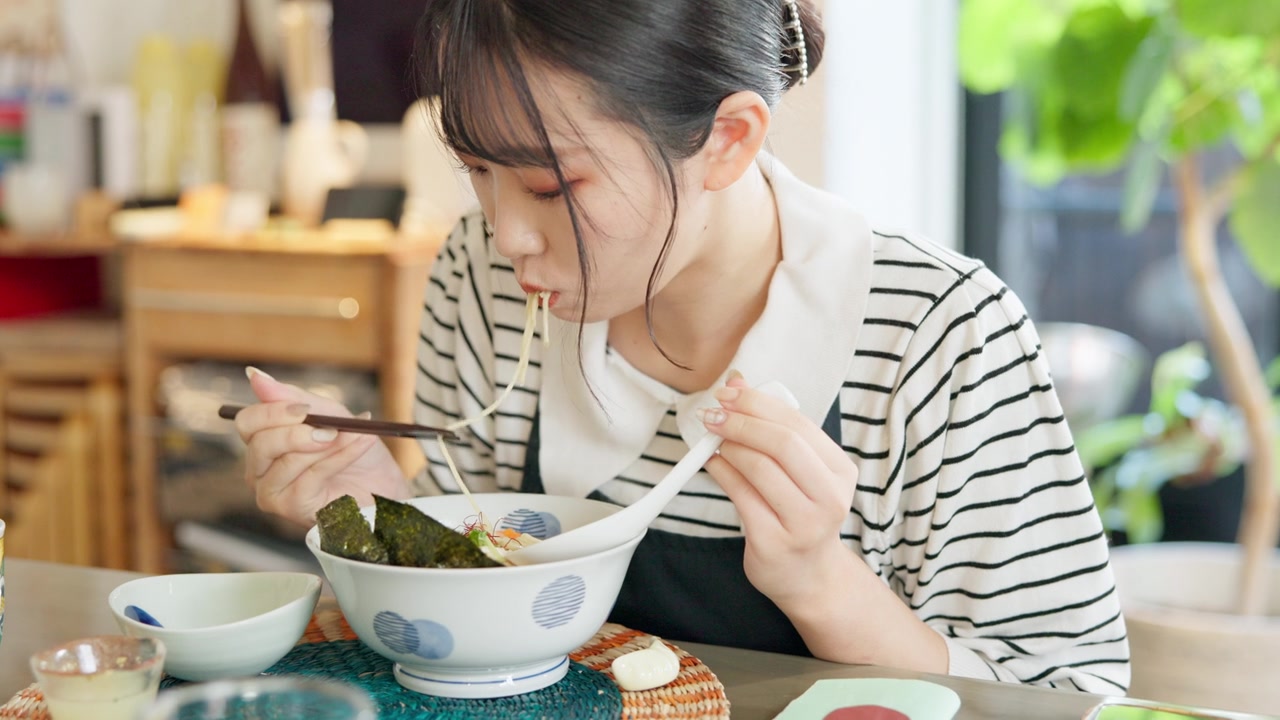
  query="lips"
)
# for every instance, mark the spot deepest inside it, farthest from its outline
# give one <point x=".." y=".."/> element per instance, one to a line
<point x="536" y="289"/>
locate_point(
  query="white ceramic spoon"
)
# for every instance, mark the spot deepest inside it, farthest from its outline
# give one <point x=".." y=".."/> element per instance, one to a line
<point x="616" y="529"/>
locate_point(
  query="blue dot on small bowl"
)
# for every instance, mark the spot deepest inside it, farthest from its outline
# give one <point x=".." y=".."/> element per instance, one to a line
<point x="541" y="525"/>
<point x="424" y="638"/>
<point x="558" y="602"/>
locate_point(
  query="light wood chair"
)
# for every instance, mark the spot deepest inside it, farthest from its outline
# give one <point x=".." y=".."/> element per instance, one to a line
<point x="62" y="461"/>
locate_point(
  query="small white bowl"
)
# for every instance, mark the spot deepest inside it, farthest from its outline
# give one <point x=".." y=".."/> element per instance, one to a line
<point x="220" y="625"/>
<point x="483" y="632"/>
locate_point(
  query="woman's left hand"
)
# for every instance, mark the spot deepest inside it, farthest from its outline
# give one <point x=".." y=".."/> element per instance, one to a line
<point x="792" y="486"/>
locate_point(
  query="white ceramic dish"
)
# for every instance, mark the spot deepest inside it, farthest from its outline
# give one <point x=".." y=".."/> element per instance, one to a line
<point x="220" y="625"/>
<point x="484" y="632"/>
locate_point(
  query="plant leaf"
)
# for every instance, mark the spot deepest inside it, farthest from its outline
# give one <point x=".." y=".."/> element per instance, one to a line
<point x="1146" y="69"/>
<point x="1031" y="139"/>
<point x="987" y="60"/>
<point x="1094" y="143"/>
<point x="1260" y="114"/>
<point x="1144" y="518"/>
<point x="1104" y="443"/>
<point x="1273" y="375"/>
<point x="994" y="34"/>
<point x="1091" y="58"/>
<point x="1103" y="487"/>
<point x="1141" y="186"/>
<point x="1206" y="124"/>
<point x="1209" y="18"/>
<point x="1255" y="219"/>
<point x="1176" y="371"/>
<point x="1078" y="116"/>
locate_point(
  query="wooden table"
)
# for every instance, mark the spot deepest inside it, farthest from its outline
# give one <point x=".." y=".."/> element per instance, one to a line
<point x="49" y="604"/>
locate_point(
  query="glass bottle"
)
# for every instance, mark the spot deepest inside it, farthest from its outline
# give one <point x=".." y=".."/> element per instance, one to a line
<point x="250" y="116"/>
<point x="157" y="84"/>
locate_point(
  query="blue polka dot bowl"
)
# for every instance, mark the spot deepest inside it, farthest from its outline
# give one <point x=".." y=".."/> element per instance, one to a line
<point x="483" y="632"/>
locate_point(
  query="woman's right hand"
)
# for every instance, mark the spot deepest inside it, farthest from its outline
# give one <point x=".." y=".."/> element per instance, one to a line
<point x="295" y="469"/>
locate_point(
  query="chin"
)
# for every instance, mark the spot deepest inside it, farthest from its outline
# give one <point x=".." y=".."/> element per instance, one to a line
<point x="570" y="312"/>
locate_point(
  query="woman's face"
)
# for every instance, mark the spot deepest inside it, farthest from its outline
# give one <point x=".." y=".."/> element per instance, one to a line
<point x="623" y="207"/>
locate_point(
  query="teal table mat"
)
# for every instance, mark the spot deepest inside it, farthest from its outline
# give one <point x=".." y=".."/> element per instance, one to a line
<point x="583" y="693"/>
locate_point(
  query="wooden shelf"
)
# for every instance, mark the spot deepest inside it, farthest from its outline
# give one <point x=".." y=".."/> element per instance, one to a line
<point x="307" y="242"/>
<point x="310" y="242"/>
<point x="15" y="245"/>
<point x="336" y="295"/>
<point x="299" y="298"/>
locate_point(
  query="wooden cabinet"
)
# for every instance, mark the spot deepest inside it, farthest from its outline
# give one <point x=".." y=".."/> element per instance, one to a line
<point x="303" y="299"/>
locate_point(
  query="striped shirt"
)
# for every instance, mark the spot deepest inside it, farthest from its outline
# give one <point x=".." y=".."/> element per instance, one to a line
<point x="971" y="502"/>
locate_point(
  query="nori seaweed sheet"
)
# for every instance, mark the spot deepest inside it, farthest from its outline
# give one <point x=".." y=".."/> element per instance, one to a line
<point x="344" y="532"/>
<point x="415" y="539"/>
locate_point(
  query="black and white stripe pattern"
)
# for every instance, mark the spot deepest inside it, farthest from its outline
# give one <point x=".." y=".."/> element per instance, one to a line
<point x="972" y="505"/>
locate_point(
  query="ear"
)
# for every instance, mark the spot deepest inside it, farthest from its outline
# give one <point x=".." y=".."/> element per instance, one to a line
<point x="737" y="134"/>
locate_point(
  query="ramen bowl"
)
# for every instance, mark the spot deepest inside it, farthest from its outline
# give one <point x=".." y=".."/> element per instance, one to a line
<point x="483" y="632"/>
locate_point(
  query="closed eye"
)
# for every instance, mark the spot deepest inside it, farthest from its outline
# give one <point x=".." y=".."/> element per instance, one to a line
<point x="546" y="196"/>
<point x="550" y="195"/>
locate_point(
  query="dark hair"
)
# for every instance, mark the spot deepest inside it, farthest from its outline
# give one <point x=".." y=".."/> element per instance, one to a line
<point x="663" y="66"/>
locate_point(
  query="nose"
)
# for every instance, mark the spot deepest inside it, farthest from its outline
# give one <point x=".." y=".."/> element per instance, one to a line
<point x="513" y="239"/>
<point x="514" y="224"/>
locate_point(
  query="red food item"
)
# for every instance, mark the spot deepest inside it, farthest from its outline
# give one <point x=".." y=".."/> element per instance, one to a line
<point x="865" y="712"/>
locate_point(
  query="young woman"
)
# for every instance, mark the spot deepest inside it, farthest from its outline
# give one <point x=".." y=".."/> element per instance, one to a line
<point x="923" y="508"/>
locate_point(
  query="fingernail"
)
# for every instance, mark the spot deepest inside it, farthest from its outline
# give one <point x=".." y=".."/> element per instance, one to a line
<point x="735" y="375"/>
<point x="251" y="371"/>
<point x="366" y="415"/>
<point x="299" y="409"/>
<point x="727" y="394"/>
<point x="712" y="416"/>
<point x="324" y="435"/>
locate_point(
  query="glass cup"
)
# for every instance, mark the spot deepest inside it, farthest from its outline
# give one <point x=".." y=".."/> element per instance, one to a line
<point x="295" y="698"/>
<point x="111" y="677"/>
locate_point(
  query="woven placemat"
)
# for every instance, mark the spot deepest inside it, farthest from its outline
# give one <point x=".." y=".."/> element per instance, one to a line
<point x="329" y="648"/>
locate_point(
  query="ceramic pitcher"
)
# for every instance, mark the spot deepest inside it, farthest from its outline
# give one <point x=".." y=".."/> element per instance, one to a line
<point x="319" y="154"/>
<point x="437" y="192"/>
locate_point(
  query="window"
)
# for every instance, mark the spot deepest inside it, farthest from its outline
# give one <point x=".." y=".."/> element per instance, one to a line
<point x="1063" y="251"/>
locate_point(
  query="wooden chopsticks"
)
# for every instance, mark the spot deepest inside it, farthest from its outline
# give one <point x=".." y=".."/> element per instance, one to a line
<point x="356" y="425"/>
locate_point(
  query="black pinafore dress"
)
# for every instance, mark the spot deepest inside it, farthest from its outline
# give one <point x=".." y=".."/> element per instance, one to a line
<point x="694" y="588"/>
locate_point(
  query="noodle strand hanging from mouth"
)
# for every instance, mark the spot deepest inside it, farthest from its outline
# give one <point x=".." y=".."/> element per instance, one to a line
<point x="535" y="302"/>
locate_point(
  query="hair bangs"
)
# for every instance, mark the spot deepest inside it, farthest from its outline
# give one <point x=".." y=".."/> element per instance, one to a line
<point x="487" y="109"/>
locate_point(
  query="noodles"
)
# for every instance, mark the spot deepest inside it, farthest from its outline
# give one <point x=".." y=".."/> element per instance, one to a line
<point x="535" y="301"/>
<point x="546" y="318"/>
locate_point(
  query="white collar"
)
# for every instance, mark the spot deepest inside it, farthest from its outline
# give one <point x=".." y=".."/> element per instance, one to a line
<point x="806" y="337"/>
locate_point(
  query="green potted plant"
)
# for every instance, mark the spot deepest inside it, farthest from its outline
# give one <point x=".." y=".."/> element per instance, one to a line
<point x="1183" y="437"/>
<point x="1154" y="85"/>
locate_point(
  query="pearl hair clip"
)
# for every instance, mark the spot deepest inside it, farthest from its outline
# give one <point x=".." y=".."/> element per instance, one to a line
<point x="795" y="31"/>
